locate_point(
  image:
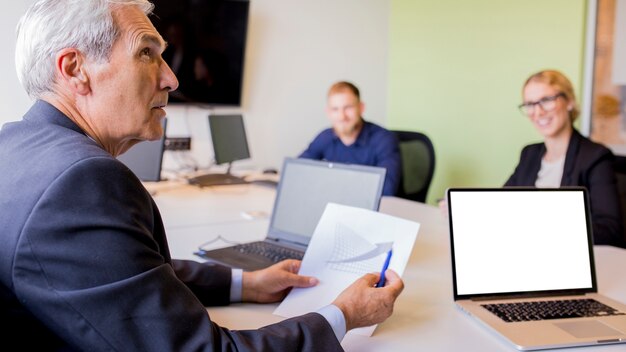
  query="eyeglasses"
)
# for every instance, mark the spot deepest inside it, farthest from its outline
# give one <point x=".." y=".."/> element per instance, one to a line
<point x="546" y="104"/>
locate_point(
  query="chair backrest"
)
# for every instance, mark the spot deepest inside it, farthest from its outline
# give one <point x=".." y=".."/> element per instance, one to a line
<point x="418" y="165"/>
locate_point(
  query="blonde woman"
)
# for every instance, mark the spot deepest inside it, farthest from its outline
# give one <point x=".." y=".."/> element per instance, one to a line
<point x="565" y="157"/>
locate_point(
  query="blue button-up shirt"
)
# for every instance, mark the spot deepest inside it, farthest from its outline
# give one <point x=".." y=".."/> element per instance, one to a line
<point x="375" y="146"/>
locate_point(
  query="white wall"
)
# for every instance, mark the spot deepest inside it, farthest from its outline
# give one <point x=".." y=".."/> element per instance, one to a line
<point x="295" y="51"/>
<point x="13" y="100"/>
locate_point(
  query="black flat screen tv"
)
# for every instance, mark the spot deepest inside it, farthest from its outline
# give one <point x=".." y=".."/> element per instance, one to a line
<point x="206" y="48"/>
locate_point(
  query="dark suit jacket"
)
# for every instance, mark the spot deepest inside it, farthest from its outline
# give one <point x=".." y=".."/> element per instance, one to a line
<point x="84" y="261"/>
<point x="587" y="164"/>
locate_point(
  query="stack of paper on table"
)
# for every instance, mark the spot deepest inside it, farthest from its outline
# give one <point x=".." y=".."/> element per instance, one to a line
<point x="348" y="242"/>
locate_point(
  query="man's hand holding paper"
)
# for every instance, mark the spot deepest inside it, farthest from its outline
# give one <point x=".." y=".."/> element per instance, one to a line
<point x="346" y="253"/>
<point x="362" y="308"/>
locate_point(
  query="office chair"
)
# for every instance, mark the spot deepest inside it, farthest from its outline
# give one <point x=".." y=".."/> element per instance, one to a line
<point x="418" y="165"/>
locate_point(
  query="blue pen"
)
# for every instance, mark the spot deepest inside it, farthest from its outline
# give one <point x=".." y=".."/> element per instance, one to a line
<point x="381" y="282"/>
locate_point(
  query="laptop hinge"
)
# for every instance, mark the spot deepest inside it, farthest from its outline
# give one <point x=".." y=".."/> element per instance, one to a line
<point x="284" y="242"/>
<point x="527" y="295"/>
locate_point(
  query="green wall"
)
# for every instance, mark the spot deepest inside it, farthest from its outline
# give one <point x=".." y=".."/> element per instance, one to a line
<point x="456" y="69"/>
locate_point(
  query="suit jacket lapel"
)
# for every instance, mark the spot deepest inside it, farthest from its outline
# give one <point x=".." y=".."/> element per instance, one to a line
<point x="570" y="159"/>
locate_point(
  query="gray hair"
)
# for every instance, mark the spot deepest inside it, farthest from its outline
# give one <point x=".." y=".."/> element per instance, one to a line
<point x="51" y="25"/>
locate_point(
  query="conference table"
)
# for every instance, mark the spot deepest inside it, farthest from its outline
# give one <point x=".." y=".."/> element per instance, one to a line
<point x="425" y="317"/>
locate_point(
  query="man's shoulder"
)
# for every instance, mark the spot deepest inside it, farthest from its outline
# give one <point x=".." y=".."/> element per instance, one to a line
<point x="377" y="130"/>
<point x="376" y="134"/>
<point x="38" y="154"/>
<point x="48" y="142"/>
<point x="374" y="126"/>
<point x="325" y="135"/>
<point x="328" y="132"/>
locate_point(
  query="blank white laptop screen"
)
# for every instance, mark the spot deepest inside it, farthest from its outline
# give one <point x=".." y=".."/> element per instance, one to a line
<point x="519" y="241"/>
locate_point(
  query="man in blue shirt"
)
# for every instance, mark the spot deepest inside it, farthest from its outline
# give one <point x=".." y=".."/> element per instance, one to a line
<point x="353" y="140"/>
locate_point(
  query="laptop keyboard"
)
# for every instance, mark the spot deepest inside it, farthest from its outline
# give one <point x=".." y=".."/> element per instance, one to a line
<point x="558" y="309"/>
<point x="267" y="250"/>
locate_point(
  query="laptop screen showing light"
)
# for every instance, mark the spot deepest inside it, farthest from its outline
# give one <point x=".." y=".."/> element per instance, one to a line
<point x="306" y="187"/>
<point x="507" y="241"/>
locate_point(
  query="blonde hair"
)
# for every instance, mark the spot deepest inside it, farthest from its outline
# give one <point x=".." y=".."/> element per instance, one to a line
<point x="343" y="86"/>
<point x="560" y="82"/>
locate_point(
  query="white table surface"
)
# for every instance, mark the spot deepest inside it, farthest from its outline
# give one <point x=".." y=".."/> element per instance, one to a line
<point x="425" y="317"/>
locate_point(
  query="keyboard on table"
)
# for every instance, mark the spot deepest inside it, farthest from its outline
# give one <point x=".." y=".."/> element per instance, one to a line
<point x="272" y="252"/>
<point x="557" y="309"/>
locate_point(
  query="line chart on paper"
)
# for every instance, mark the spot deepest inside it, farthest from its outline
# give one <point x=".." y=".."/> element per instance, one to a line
<point x="352" y="253"/>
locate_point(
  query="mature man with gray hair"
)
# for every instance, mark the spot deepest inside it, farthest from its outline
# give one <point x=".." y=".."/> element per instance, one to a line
<point x="84" y="261"/>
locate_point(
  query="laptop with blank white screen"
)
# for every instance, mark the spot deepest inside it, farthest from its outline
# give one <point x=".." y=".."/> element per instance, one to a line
<point x="522" y="264"/>
<point x="304" y="189"/>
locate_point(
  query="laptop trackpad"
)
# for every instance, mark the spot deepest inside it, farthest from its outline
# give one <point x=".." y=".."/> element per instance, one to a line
<point x="589" y="328"/>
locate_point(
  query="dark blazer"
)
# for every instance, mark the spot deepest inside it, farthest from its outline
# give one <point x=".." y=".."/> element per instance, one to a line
<point x="587" y="164"/>
<point x="85" y="264"/>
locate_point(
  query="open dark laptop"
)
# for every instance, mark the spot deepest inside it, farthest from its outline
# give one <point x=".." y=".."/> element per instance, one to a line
<point x="522" y="264"/>
<point x="304" y="189"/>
<point x="144" y="159"/>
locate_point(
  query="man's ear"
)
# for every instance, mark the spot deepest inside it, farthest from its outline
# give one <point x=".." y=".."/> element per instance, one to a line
<point x="71" y="71"/>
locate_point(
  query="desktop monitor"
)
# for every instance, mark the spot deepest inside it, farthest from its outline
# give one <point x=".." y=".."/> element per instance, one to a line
<point x="144" y="159"/>
<point x="228" y="136"/>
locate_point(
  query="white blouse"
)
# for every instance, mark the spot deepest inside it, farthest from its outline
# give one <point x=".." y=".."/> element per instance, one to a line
<point x="550" y="173"/>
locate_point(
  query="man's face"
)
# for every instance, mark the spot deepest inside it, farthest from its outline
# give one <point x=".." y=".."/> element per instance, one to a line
<point x="128" y="93"/>
<point x="344" y="111"/>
